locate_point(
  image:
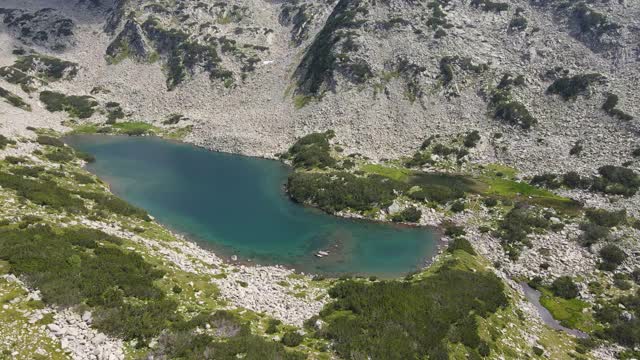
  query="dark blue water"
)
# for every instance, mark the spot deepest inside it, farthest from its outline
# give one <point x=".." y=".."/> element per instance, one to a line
<point x="237" y="205"/>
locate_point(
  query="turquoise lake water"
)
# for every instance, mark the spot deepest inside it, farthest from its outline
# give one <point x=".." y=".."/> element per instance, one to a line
<point x="236" y="205"/>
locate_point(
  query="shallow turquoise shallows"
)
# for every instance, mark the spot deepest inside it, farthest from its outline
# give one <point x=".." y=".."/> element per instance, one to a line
<point x="237" y="206"/>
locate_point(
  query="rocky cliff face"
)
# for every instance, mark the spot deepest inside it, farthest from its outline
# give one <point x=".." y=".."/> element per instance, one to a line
<point x="383" y="74"/>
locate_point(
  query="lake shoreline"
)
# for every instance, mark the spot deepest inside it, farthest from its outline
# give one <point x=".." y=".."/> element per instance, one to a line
<point x="233" y="256"/>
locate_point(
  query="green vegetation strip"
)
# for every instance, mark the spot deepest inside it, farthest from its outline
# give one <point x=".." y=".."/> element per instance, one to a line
<point x="14" y="99"/>
<point x="415" y="319"/>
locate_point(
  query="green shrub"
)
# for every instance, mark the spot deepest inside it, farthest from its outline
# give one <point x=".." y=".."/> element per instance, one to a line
<point x="4" y="141"/>
<point x="570" y="87"/>
<point x="440" y="188"/>
<point x="61" y="155"/>
<point x="27" y="171"/>
<point x="577" y="148"/>
<point x="120" y="286"/>
<point x="46" y="193"/>
<point x="312" y="150"/>
<point x="77" y="106"/>
<point x="453" y="230"/>
<point x="490" y="201"/>
<point x="49" y="140"/>
<point x="518" y="23"/>
<point x="232" y="340"/>
<point x="610" y="103"/>
<point x="14" y="99"/>
<point x="609" y="107"/>
<point x="15" y="159"/>
<point x="592" y="233"/>
<point x="635" y="275"/>
<point x="612" y="256"/>
<point x="573" y="180"/>
<point x="83" y="179"/>
<point x="564" y="287"/>
<point x="292" y="339"/>
<point x="114" y="204"/>
<point x="339" y="191"/>
<point x="538" y="351"/>
<point x="272" y="326"/>
<point x="616" y="180"/>
<point x="457" y="206"/>
<point x="511" y="111"/>
<point x="622" y="284"/>
<point x="592" y="22"/>
<point x="410" y="214"/>
<point x="606" y="218"/>
<point x="47" y="67"/>
<point x="547" y="180"/>
<point x="411" y="319"/>
<point x="471" y="139"/>
<point x="85" y="156"/>
<point x="519" y="222"/>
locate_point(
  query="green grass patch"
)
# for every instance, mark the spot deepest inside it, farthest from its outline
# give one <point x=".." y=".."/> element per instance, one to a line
<point x="570" y="312"/>
<point x="398" y="174"/>
<point x="523" y="192"/>
<point x="84" y="128"/>
<point x="134" y="128"/>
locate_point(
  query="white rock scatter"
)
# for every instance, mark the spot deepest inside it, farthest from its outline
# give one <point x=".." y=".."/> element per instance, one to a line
<point x="83" y="342"/>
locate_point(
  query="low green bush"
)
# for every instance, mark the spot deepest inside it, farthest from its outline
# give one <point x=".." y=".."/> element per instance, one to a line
<point x="609" y="107"/>
<point x="412" y="319"/>
<point x="511" y="111"/>
<point x="518" y="23"/>
<point x="14" y="99"/>
<point x="457" y="206"/>
<point x="616" y="180"/>
<point x="27" y="171"/>
<point x="312" y="150"/>
<point x="292" y="339"/>
<point x="592" y="233"/>
<point x="337" y="191"/>
<point x="606" y="218"/>
<point x="4" y="141"/>
<point x="612" y="256"/>
<point x="77" y="106"/>
<point x="624" y="331"/>
<point x="114" y="204"/>
<point x="570" y="87"/>
<point x="70" y="267"/>
<point x="49" y="140"/>
<point x="471" y="139"/>
<point x="519" y="222"/>
<point x="410" y="214"/>
<point x="564" y="287"/>
<point x="61" y="155"/>
<point x="453" y="230"/>
<point x="272" y="326"/>
<point x="40" y="192"/>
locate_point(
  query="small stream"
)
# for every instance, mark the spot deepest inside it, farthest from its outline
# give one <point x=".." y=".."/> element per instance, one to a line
<point x="533" y="296"/>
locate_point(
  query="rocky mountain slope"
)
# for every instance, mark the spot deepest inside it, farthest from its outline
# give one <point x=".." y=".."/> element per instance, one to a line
<point x="494" y="91"/>
<point x="384" y="75"/>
